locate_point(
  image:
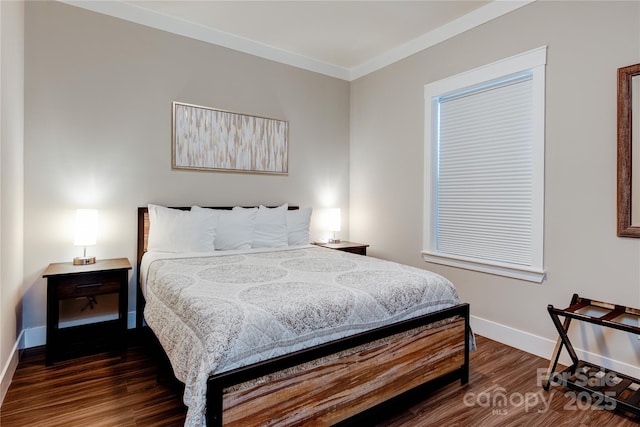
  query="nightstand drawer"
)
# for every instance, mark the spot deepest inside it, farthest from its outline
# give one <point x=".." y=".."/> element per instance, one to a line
<point x="87" y="284"/>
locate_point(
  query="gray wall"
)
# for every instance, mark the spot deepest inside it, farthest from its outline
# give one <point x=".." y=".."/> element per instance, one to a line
<point x="587" y="42"/>
<point x="98" y="132"/>
<point x="11" y="184"/>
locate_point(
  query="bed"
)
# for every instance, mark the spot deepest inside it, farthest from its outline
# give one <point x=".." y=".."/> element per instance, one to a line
<point x="333" y="345"/>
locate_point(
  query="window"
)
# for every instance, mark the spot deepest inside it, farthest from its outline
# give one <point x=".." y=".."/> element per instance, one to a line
<point x="484" y="162"/>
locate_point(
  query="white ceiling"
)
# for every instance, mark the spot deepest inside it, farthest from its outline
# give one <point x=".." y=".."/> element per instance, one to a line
<point x="345" y="33"/>
<point x="344" y="39"/>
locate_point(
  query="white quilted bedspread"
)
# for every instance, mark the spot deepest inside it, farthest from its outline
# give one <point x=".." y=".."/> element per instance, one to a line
<point x="216" y="313"/>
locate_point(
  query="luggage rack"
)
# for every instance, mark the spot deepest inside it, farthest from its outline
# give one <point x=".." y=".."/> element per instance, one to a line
<point x="606" y="387"/>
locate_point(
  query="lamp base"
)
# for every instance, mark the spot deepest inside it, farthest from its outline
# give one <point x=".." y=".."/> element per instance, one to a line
<point x="84" y="260"/>
<point x="334" y="240"/>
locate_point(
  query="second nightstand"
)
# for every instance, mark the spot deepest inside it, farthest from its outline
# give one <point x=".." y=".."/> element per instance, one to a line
<point x="355" y="248"/>
<point x="68" y="281"/>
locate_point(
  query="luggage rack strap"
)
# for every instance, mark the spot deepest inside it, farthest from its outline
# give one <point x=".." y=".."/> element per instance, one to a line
<point x="613" y="311"/>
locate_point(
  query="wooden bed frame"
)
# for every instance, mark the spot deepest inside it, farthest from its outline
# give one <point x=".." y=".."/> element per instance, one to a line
<point x="342" y="380"/>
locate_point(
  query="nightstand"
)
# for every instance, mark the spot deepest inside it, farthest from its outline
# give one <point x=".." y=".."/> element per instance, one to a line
<point x="68" y="281"/>
<point x="344" y="246"/>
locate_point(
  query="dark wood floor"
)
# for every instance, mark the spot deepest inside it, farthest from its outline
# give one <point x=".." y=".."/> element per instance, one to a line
<point x="103" y="390"/>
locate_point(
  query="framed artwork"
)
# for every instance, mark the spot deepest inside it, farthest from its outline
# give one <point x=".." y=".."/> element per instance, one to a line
<point x="215" y="140"/>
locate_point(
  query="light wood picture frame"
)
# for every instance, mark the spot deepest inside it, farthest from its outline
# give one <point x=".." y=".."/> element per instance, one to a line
<point x="210" y="139"/>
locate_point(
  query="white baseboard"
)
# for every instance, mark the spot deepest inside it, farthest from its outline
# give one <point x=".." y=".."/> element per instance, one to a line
<point x="34" y="337"/>
<point x="543" y="347"/>
<point x="10" y="368"/>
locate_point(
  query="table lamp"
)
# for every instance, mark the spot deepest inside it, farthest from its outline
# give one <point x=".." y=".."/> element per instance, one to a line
<point x="86" y="227"/>
<point x="333" y="223"/>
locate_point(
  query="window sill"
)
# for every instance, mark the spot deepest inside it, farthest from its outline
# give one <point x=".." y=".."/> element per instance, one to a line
<point x="528" y="274"/>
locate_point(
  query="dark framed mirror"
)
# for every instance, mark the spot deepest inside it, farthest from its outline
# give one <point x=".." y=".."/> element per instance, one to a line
<point x="628" y="151"/>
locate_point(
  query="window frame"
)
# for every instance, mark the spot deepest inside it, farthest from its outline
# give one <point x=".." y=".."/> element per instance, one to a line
<point x="533" y="61"/>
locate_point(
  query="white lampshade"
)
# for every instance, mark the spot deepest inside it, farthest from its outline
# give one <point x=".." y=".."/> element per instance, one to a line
<point x="332" y="223"/>
<point x="333" y="219"/>
<point x="86" y="227"/>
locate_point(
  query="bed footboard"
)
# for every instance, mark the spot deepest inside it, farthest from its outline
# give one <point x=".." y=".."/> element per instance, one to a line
<point x="333" y="382"/>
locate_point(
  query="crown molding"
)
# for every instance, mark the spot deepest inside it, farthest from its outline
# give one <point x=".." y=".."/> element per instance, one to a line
<point x="480" y="16"/>
<point x="146" y="17"/>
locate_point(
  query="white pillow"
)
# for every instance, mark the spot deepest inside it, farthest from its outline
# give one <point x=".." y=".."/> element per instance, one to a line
<point x="271" y="227"/>
<point x="175" y="230"/>
<point x="235" y="227"/>
<point x="298" y="226"/>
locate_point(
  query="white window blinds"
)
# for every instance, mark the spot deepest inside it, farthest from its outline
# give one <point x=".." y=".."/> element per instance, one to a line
<point x="484" y="168"/>
<point x="484" y="182"/>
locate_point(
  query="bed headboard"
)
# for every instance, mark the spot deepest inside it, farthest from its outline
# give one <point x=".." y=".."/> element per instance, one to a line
<point x="143" y="226"/>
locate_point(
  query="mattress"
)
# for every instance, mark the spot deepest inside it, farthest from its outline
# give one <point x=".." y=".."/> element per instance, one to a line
<point x="220" y="311"/>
